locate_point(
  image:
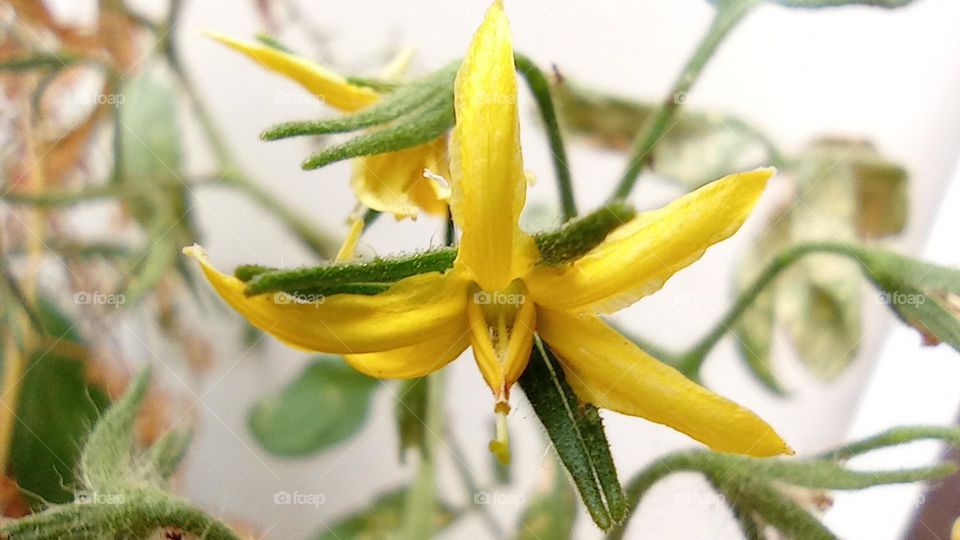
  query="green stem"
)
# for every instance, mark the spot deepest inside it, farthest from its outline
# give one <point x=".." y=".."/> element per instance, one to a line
<point x="421" y="499"/>
<point x="540" y="89"/>
<point x="892" y="437"/>
<point x="690" y="362"/>
<point x="728" y="14"/>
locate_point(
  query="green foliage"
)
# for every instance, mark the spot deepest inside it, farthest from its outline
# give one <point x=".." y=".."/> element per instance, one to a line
<point x="56" y="410"/>
<point x="382" y="520"/>
<point x="576" y="431"/>
<point x="700" y="147"/>
<point x="924" y="296"/>
<point x="327" y="403"/>
<point x="764" y="490"/>
<point x="845" y="191"/>
<point x="407" y="99"/>
<point x="557" y="247"/>
<point x="120" y="496"/>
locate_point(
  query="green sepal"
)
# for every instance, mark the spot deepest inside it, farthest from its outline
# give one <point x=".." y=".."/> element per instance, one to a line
<point x="408" y="98"/>
<point x="576" y="431"/>
<point x="433" y="120"/>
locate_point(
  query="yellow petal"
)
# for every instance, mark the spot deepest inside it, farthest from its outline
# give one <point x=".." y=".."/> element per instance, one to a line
<point x="637" y="258"/>
<point x="413" y="310"/>
<point x="394" y="182"/>
<point x="608" y="370"/>
<point x="414" y="360"/>
<point x="321" y="82"/>
<point x="488" y="184"/>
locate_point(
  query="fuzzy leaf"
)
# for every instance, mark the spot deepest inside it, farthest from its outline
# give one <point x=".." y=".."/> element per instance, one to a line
<point x="326" y="404"/>
<point x="434" y="119"/>
<point x="576" y="432"/>
<point x="106" y="458"/>
<point x="405" y="99"/>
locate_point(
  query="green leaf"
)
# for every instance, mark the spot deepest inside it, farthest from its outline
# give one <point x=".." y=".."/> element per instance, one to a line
<point x="577" y="435"/>
<point x="558" y="246"/>
<point x="435" y="118"/>
<point x="924" y="296"/>
<point x="326" y="404"/>
<point x="382" y="520"/>
<point x="698" y="148"/>
<point x="405" y="99"/>
<point x="410" y="411"/>
<point x="552" y="511"/>
<point x="106" y="458"/>
<point x="56" y="409"/>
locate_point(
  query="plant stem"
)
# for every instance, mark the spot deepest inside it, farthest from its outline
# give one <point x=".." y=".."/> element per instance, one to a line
<point x="728" y="14"/>
<point x="540" y="89"/>
<point x="421" y="498"/>
<point x="309" y="233"/>
<point x="690" y="362"/>
<point x="892" y="437"/>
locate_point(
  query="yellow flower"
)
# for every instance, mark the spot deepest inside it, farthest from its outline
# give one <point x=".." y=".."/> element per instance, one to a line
<point x="496" y="296"/>
<point x="390" y="182"/>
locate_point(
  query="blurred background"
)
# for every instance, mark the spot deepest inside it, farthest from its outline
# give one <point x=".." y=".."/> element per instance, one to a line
<point x="826" y="86"/>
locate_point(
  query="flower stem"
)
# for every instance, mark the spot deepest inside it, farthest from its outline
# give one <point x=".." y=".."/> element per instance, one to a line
<point x="690" y="362"/>
<point x="729" y="13"/>
<point x="540" y="89"/>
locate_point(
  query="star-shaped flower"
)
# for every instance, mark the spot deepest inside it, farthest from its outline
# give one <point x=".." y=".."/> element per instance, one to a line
<point x="498" y="295"/>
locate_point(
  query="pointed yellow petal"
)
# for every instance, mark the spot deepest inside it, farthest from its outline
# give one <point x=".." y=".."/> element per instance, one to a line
<point x="636" y="259"/>
<point x="488" y="183"/>
<point x="394" y="182"/>
<point x="412" y="311"/>
<point x="606" y="369"/>
<point x="414" y="360"/>
<point x="321" y="82"/>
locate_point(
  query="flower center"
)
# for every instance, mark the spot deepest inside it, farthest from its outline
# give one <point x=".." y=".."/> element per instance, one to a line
<point x="501" y="333"/>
